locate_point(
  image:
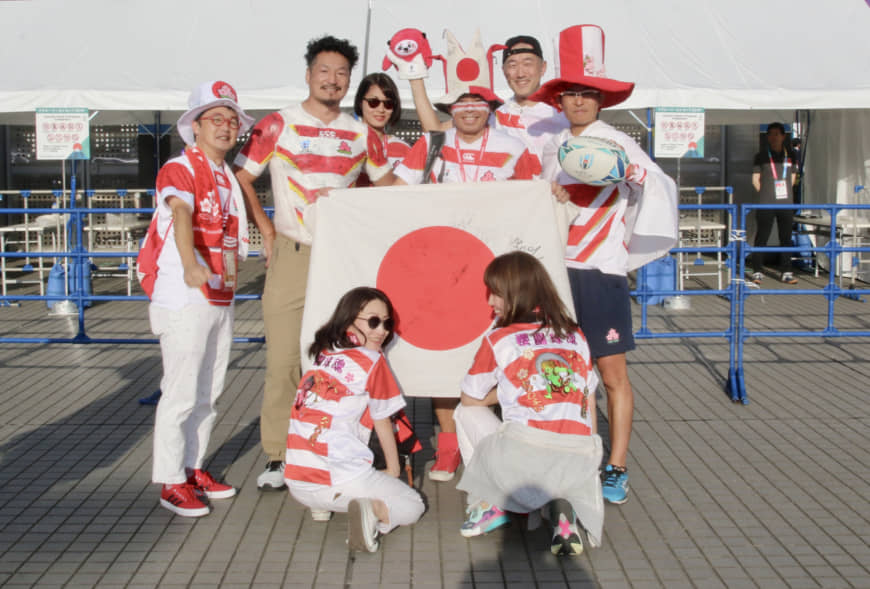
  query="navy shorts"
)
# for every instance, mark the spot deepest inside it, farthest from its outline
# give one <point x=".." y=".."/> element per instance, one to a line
<point x="603" y="309"/>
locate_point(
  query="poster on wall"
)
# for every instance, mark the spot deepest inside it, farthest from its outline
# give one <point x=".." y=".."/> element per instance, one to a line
<point x="679" y="132"/>
<point x="62" y="134"/>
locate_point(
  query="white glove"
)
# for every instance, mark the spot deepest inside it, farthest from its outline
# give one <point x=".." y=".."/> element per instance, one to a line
<point x="635" y="174"/>
<point x="409" y="70"/>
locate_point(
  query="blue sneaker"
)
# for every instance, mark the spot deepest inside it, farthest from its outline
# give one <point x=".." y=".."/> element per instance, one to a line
<point x="614" y="484"/>
<point x="482" y="519"/>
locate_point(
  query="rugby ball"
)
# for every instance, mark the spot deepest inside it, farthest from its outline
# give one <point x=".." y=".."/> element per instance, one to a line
<point x="593" y="160"/>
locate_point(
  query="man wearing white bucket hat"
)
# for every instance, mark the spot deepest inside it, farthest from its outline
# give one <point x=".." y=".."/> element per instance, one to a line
<point x="619" y="227"/>
<point x="309" y="148"/>
<point x="187" y="267"/>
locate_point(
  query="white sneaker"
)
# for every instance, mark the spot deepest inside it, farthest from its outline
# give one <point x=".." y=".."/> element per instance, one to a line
<point x="321" y="515"/>
<point x="272" y="479"/>
<point x="362" y="526"/>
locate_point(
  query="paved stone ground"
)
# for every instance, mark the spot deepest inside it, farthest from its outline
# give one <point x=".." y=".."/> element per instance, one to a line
<point x="771" y="494"/>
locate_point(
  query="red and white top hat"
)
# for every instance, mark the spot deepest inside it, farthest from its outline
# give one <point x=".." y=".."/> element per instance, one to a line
<point x="468" y="71"/>
<point x="580" y="60"/>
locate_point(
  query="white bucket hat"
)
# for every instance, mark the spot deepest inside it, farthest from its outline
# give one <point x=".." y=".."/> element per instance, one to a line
<point x="209" y="95"/>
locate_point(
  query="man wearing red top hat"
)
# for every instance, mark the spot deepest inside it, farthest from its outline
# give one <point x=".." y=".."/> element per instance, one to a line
<point x="618" y="227"/>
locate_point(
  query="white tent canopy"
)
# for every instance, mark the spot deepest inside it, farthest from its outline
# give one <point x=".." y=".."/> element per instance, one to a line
<point x="123" y="55"/>
<point x="744" y="61"/>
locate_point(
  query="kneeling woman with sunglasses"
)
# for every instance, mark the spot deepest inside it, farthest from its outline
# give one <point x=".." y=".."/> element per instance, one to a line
<point x="349" y="390"/>
<point x="377" y="103"/>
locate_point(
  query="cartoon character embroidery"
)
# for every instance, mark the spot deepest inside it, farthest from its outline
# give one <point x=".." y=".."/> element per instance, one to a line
<point x="557" y="374"/>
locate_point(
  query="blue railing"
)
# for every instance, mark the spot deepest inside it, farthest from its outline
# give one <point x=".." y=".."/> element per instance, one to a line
<point x="78" y="257"/>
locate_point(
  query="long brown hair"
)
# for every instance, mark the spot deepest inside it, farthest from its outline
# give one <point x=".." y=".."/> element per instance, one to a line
<point x="528" y="292"/>
<point x="333" y="334"/>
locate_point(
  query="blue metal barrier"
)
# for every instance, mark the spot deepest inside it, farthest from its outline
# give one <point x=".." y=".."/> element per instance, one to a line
<point x="736" y="293"/>
<point x="79" y="257"/>
<point x="832" y="290"/>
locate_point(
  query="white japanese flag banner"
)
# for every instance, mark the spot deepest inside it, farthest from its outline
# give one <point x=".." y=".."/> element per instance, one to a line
<point x="426" y="247"/>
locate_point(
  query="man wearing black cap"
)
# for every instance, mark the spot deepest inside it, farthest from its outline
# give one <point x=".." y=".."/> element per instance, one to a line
<point x="534" y="122"/>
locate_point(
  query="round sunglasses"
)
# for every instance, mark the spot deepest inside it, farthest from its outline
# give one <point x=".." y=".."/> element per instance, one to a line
<point x="376" y="102"/>
<point x="219" y="120"/>
<point x="374" y="321"/>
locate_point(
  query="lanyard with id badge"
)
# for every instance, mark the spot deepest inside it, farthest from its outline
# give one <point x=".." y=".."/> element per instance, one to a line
<point x="229" y="245"/>
<point x="780" y="188"/>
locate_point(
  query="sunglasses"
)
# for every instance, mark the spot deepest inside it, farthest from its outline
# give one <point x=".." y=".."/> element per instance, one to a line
<point x="376" y="102"/>
<point x="586" y="93"/>
<point x="219" y="120"/>
<point x="374" y="321"/>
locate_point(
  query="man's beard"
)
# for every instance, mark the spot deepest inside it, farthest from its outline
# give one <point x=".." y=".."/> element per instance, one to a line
<point x="331" y="102"/>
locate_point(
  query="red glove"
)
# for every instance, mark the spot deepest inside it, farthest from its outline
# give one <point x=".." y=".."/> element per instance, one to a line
<point x="409" y="51"/>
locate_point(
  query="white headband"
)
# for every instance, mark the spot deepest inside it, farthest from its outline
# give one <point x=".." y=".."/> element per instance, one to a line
<point x="476" y="105"/>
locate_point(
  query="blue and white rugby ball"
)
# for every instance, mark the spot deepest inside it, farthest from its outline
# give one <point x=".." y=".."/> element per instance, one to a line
<point x="593" y="160"/>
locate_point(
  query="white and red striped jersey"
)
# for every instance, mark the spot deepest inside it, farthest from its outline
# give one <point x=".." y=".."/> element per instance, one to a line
<point x="396" y="150"/>
<point x="494" y="156"/>
<point x="599" y="237"/>
<point x="304" y="155"/>
<point x="535" y="125"/>
<point x="331" y="421"/>
<point x="543" y="381"/>
<point x="176" y="178"/>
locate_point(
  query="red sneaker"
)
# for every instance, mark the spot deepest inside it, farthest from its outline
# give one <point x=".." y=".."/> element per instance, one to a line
<point x="447" y="458"/>
<point x="205" y="484"/>
<point x="182" y="499"/>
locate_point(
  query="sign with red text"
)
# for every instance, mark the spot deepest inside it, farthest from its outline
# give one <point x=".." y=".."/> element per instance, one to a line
<point x="62" y="134"/>
<point x="679" y="132"/>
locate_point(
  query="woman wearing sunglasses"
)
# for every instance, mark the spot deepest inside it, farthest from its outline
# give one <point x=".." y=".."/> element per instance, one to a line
<point x="377" y="103"/>
<point x="350" y="390"/>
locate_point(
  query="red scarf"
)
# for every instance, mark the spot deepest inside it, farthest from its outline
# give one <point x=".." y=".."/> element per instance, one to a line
<point x="212" y="232"/>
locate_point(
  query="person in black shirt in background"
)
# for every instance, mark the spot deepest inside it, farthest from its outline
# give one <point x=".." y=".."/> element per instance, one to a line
<point x="774" y="172"/>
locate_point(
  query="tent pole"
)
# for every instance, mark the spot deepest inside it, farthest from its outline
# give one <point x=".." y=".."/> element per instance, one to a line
<point x="157" y="139"/>
<point x="368" y="33"/>
<point x="649" y="133"/>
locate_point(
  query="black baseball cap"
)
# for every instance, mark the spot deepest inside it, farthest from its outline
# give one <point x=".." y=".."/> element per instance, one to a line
<point x="528" y="40"/>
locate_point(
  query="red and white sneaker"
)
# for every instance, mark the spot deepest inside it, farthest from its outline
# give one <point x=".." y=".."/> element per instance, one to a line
<point x="205" y="484"/>
<point x="447" y="458"/>
<point x="182" y="499"/>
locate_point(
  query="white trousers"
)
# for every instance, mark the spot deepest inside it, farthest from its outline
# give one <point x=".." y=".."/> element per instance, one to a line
<point x="403" y="502"/>
<point x="195" y="344"/>
<point x="473" y="423"/>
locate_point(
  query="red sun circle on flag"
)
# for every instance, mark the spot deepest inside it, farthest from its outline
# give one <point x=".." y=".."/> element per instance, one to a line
<point x="434" y="278"/>
<point x="467" y="69"/>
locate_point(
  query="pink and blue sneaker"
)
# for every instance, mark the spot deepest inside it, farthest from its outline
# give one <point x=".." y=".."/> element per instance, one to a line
<point x="482" y="519"/>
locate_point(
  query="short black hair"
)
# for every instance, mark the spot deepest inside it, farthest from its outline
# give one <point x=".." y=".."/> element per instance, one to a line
<point x="779" y="126"/>
<point x="387" y="86"/>
<point x="329" y="43"/>
<point x="528" y="40"/>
